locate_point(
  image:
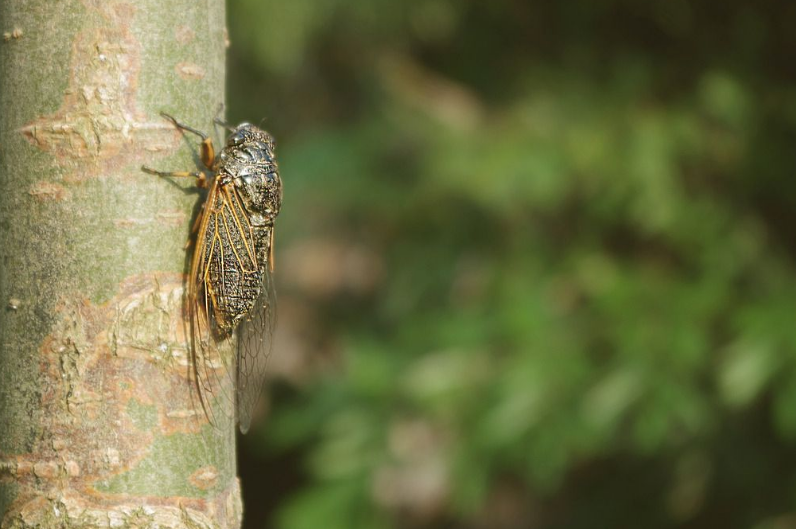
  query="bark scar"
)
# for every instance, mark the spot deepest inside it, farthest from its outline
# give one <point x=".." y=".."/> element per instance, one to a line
<point x="189" y="70"/>
<point x="15" y="34"/>
<point x="98" y="123"/>
<point x="44" y="191"/>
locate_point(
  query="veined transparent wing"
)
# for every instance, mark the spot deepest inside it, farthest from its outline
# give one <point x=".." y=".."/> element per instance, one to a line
<point x="255" y="342"/>
<point x="224" y="284"/>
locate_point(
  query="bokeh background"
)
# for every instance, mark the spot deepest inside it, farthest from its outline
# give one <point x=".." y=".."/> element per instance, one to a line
<point x="535" y="263"/>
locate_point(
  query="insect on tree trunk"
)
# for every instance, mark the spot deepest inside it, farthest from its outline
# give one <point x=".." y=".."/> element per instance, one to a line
<point x="99" y="424"/>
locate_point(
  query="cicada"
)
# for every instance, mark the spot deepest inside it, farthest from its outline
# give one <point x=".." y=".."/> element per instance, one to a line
<point x="230" y="287"/>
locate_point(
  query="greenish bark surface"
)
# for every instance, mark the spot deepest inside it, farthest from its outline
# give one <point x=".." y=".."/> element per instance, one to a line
<point x="99" y="424"/>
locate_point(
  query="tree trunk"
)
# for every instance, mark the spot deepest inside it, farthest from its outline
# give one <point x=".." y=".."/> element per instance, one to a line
<point x="99" y="423"/>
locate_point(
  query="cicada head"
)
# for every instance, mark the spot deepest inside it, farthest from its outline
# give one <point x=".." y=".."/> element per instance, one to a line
<point x="249" y="161"/>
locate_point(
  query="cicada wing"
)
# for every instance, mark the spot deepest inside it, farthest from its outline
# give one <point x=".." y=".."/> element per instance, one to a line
<point x="211" y="359"/>
<point x="255" y="342"/>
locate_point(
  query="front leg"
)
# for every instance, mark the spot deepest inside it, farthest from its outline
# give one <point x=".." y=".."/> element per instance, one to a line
<point x="208" y="153"/>
<point x="201" y="178"/>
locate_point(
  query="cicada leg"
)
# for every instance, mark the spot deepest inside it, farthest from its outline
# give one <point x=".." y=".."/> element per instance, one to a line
<point x="220" y="122"/>
<point x="201" y="181"/>
<point x="271" y="251"/>
<point x="201" y="178"/>
<point x="208" y="153"/>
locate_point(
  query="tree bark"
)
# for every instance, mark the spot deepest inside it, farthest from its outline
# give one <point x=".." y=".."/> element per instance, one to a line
<point x="99" y="424"/>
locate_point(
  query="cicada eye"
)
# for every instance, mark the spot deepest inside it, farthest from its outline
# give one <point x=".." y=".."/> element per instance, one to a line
<point x="237" y="138"/>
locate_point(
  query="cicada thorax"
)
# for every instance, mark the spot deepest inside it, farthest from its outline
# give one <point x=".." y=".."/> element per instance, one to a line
<point x="248" y="161"/>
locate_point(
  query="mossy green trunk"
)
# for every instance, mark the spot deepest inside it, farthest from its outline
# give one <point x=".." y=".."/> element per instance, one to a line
<point x="99" y="425"/>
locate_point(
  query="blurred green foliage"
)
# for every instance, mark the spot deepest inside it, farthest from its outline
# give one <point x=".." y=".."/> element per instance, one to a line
<point x="542" y="257"/>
